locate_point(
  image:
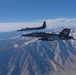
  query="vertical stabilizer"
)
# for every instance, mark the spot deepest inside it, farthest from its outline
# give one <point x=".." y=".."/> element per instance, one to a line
<point x="44" y="24"/>
<point x="64" y="33"/>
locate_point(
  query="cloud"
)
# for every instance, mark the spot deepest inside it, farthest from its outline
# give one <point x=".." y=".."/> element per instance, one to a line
<point x="17" y="25"/>
<point x="61" y="22"/>
<point x="70" y="20"/>
<point x="51" y="23"/>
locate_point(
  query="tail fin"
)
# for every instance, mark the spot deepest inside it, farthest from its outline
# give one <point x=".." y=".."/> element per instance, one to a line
<point x="64" y="33"/>
<point x="44" y="24"/>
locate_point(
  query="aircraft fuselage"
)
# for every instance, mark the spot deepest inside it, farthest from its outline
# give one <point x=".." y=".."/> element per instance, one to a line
<point x="47" y="36"/>
<point x="35" y="28"/>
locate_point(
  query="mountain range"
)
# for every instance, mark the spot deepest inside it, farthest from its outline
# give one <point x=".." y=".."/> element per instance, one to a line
<point x="30" y="56"/>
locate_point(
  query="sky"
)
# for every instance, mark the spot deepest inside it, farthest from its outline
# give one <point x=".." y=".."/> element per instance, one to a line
<point x="16" y="14"/>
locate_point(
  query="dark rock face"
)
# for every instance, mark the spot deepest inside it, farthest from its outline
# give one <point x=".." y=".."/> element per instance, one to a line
<point x="29" y="56"/>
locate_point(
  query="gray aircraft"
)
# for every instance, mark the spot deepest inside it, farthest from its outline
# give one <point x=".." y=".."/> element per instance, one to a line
<point x="35" y="28"/>
<point x="63" y="35"/>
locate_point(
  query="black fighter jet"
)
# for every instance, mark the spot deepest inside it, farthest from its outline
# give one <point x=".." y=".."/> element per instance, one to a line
<point x="63" y="35"/>
<point x="35" y="28"/>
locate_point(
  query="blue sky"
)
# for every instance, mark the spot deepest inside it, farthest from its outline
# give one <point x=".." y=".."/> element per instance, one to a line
<point x="18" y="11"/>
